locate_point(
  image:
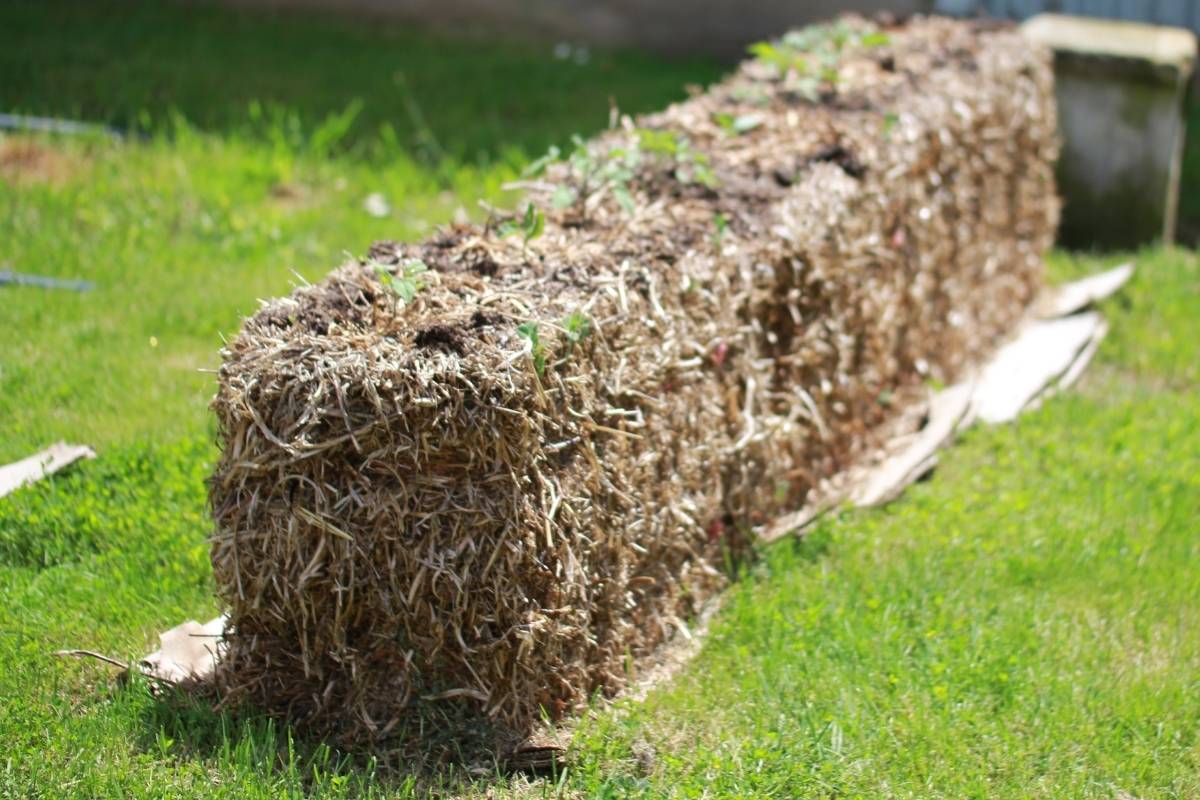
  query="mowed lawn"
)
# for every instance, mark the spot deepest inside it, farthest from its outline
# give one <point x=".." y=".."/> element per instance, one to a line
<point x="1026" y="624"/>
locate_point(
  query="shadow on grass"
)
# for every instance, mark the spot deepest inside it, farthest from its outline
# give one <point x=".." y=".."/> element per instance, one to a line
<point x="443" y="747"/>
<point x="440" y="750"/>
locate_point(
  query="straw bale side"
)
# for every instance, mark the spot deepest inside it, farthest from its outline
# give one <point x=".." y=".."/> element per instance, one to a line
<point x="406" y="509"/>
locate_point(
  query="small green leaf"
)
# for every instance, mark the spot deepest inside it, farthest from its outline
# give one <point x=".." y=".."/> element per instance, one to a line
<point x="623" y="197"/>
<point x="701" y="174"/>
<point x="809" y="87"/>
<point x="564" y="196"/>
<point x="529" y="330"/>
<point x="407" y="283"/>
<point x="764" y="50"/>
<point x="659" y="142"/>
<point x="738" y="124"/>
<point x="577" y="326"/>
<point x="531" y="225"/>
<point x="746" y="122"/>
<point x="538" y="166"/>
<point x="875" y="39"/>
<point x="384" y="276"/>
<point x="722" y="225"/>
<point x="535" y="223"/>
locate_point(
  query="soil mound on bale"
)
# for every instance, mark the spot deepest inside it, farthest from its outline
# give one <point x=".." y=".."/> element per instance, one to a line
<point x="490" y="484"/>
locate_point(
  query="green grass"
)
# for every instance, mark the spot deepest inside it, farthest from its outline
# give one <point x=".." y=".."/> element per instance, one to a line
<point x="1025" y="624"/>
<point x="132" y="64"/>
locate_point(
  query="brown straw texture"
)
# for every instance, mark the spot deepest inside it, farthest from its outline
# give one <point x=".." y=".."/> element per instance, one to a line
<point x="406" y="509"/>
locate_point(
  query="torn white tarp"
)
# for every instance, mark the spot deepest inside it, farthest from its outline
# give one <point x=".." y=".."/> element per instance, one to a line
<point x="1059" y="301"/>
<point x="187" y="652"/>
<point x="39" y="465"/>
<point x="916" y="454"/>
<point x="1046" y="356"/>
<point x="1022" y="369"/>
<point x="1075" y="371"/>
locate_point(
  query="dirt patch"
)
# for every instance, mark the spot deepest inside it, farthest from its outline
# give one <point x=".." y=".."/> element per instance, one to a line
<point x="27" y="161"/>
<point x="292" y="196"/>
<point x="839" y="155"/>
<point x="447" y="338"/>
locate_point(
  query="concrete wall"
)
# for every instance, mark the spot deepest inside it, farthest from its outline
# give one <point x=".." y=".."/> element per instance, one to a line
<point x="1179" y="13"/>
<point x="1121" y="88"/>
<point x="1119" y="171"/>
<point x="718" y="27"/>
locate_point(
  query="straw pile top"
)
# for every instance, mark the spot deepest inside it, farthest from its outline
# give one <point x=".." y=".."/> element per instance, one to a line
<point x="490" y="468"/>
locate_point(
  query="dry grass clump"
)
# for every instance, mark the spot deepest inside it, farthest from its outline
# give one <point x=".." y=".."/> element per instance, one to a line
<point x="495" y="490"/>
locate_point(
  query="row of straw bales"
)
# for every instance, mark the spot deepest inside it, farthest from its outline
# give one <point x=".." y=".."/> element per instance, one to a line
<point x="496" y="484"/>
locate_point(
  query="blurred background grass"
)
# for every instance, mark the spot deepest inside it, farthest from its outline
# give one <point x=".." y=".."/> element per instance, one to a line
<point x="136" y="64"/>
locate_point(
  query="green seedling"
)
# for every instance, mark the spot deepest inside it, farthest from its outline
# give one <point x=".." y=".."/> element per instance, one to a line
<point x="529" y="330"/>
<point x="721" y="223"/>
<point x="538" y="165"/>
<point x="750" y="95"/>
<point x="612" y="170"/>
<point x="820" y="40"/>
<point x="821" y="46"/>
<point x="624" y="199"/>
<point x="405" y="283"/>
<point x="530" y="226"/>
<point x="739" y="124"/>
<point x="659" y="143"/>
<point x="696" y="170"/>
<point x="783" y="59"/>
<point x="690" y="165"/>
<point x="577" y="327"/>
<point x="889" y="122"/>
<point x="590" y="173"/>
<point x="564" y="196"/>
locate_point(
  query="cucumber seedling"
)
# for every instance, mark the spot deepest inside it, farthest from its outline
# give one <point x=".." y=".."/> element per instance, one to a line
<point x="529" y="330"/>
<point x="530" y="225"/>
<point x="809" y="57"/>
<point x="737" y="124"/>
<point x="577" y="327"/>
<point x="688" y="165"/>
<point x="403" y="284"/>
<point x="590" y="173"/>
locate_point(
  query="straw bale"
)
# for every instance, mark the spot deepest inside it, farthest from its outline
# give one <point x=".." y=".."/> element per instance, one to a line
<point x="406" y="509"/>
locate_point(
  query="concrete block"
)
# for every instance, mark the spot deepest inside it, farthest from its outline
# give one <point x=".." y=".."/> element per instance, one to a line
<point x="1121" y="89"/>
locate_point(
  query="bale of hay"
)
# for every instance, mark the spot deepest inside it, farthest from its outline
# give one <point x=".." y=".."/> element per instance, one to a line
<point x="497" y="483"/>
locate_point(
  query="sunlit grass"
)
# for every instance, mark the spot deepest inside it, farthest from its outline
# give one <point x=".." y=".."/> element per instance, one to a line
<point x="1023" y="625"/>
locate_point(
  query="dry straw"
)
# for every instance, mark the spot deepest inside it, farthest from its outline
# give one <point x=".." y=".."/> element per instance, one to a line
<point x="502" y="484"/>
